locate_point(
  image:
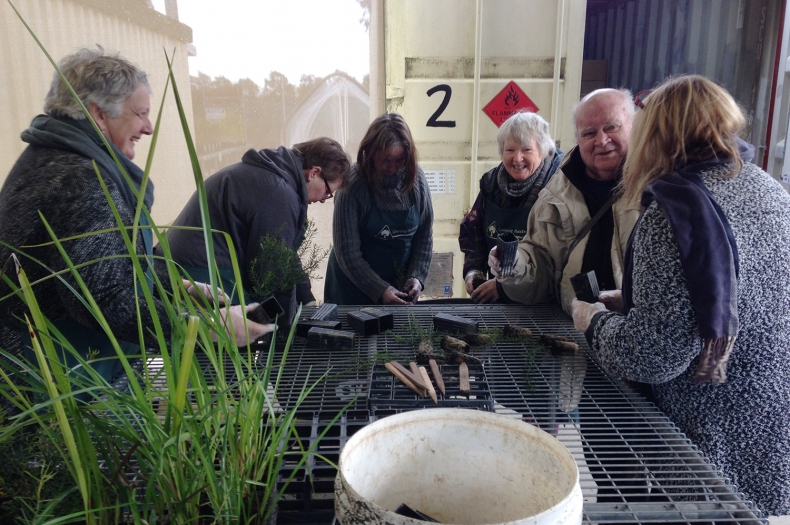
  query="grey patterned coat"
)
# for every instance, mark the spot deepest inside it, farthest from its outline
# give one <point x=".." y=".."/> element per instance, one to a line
<point x="743" y="424"/>
<point x="64" y="188"/>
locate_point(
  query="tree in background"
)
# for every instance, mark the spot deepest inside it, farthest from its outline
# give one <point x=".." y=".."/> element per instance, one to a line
<point x="233" y="117"/>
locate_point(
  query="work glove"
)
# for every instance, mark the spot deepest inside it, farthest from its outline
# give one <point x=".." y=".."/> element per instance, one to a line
<point x="232" y="318"/>
<point x="612" y="299"/>
<point x="202" y="292"/>
<point x="486" y="292"/>
<point x="584" y="312"/>
<point x="473" y="279"/>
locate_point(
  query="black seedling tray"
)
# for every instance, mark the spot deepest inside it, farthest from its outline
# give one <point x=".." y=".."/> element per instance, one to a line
<point x="387" y="393"/>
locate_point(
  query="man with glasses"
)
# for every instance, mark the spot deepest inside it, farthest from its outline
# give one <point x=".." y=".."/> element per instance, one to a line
<point x="266" y="194"/>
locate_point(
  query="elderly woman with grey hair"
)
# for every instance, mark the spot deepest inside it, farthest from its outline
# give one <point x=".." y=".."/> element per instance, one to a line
<point x="507" y="194"/>
<point x="54" y="185"/>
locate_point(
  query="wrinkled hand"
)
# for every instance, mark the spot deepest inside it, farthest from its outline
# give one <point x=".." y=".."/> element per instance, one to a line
<point x="412" y="288"/>
<point x="494" y="264"/>
<point x="612" y="299"/>
<point x="394" y="296"/>
<point x="233" y="320"/>
<point x="486" y="292"/>
<point x="473" y="277"/>
<point x="202" y="292"/>
<point x="584" y="312"/>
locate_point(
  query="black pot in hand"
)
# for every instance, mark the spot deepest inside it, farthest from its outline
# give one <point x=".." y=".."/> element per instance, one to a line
<point x="506" y="248"/>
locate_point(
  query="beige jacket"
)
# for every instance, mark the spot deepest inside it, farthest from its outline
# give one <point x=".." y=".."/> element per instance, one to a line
<point x="557" y="217"/>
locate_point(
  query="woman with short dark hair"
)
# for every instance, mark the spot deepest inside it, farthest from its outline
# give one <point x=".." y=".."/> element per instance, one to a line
<point x="382" y="230"/>
<point x="266" y="194"/>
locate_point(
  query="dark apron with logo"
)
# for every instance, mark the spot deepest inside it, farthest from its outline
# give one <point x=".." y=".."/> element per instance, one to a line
<point x="86" y="340"/>
<point x="385" y="243"/>
<point x="503" y="220"/>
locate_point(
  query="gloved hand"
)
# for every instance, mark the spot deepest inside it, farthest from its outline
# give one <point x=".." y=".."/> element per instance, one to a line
<point x="233" y="320"/>
<point x="473" y="279"/>
<point x="612" y="299"/>
<point x="412" y="288"/>
<point x="394" y="296"/>
<point x="584" y="312"/>
<point x="486" y="292"/>
<point x="204" y="289"/>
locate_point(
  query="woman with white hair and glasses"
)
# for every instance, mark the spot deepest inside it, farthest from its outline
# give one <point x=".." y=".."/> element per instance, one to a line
<point x="54" y="185"/>
<point x="507" y="194"/>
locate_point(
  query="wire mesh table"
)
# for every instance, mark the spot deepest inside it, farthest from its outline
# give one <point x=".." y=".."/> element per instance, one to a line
<point x="635" y="465"/>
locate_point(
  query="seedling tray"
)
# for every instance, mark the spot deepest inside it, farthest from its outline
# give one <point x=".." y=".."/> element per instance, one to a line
<point x="387" y="393"/>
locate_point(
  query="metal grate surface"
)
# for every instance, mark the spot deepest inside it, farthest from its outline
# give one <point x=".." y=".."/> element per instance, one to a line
<point x="635" y="465"/>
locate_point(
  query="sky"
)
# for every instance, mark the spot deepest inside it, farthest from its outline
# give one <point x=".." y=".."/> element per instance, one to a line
<point x="250" y="38"/>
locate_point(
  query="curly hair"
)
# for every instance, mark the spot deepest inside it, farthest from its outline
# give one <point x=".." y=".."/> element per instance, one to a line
<point x="106" y="80"/>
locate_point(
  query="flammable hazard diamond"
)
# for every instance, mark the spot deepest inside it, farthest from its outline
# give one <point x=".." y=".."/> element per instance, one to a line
<point x="510" y="100"/>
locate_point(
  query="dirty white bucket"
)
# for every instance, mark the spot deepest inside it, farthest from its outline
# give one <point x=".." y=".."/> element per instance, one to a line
<point x="458" y="466"/>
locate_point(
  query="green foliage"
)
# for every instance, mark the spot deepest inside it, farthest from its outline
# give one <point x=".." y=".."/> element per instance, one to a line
<point x="276" y="269"/>
<point x="311" y="254"/>
<point x="416" y="333"/>
<point x="31" y="482"/>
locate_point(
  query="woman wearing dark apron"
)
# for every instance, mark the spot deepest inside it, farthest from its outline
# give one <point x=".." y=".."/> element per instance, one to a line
<point x="507" y="193"/>
<point x="382" y="230"/>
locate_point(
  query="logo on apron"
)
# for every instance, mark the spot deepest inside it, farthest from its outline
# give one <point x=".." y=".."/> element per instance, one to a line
<point x="385" y="233"/>
<point x="492" y="230"/>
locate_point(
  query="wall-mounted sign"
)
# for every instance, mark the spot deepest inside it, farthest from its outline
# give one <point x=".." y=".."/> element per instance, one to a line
<point x="439" y="282"/>
<point x="215" y="113"/>
<point x="510" y="100"/>
<point x="440" y="181"/>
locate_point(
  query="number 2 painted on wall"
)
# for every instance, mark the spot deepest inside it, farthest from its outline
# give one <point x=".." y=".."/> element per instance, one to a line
<point x="433" y="122"/>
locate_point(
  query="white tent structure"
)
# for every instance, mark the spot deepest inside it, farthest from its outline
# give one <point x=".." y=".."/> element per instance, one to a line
<point x="338" y="108"/>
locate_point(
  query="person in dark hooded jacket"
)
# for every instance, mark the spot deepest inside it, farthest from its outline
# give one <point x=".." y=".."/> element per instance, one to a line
<point x="267" y="193"/>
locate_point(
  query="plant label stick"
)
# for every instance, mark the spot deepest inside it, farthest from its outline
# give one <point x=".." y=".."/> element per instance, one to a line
<point x="463" y="380"/>
<point x="416" y="372"/>
<point x="416" y="380"/>
<point x="431" y="391"/>
<point x="437" y="375"/>
<point x="405" y="380"/>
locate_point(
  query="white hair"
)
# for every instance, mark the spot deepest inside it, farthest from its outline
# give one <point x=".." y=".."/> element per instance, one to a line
<point x="524" y="127"/>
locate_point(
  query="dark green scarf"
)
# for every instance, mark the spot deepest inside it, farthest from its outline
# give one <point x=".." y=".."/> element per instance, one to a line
<point x="78" y="136"/>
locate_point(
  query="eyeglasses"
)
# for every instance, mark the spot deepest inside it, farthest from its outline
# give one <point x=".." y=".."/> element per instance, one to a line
<point x="329" y="192"/>
<point x="639" y="100"/>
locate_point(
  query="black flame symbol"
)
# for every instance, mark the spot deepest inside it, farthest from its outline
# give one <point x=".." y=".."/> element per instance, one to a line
<point x="511" y="96"/>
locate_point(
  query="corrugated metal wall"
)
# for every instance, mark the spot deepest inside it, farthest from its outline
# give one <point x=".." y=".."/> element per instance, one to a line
<point x="729" y="41"/>
<point x="66" y="25"/>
